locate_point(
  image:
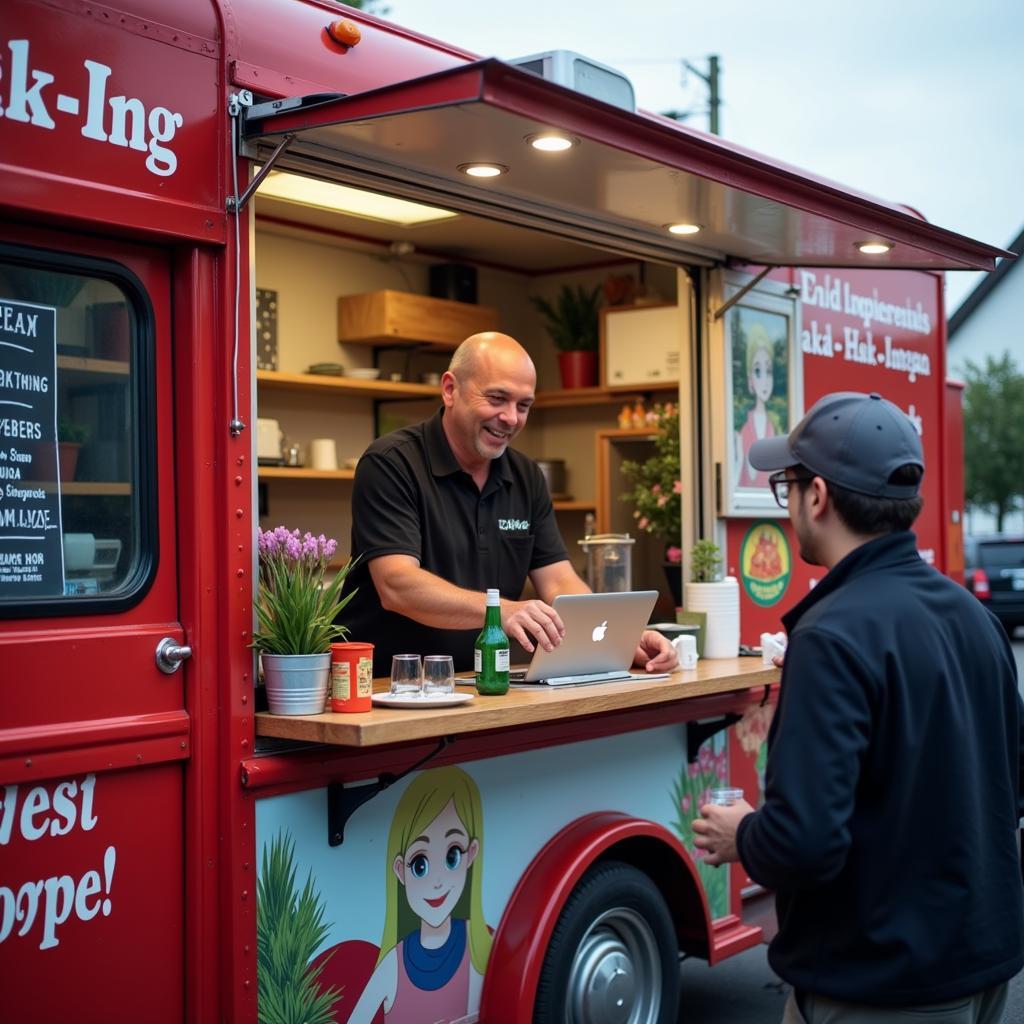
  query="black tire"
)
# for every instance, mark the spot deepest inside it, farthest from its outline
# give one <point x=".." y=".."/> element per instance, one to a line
<point x="613" y="956"/>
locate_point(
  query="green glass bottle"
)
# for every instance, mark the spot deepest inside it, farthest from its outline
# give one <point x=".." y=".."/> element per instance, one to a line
<point x="490" y="652"/>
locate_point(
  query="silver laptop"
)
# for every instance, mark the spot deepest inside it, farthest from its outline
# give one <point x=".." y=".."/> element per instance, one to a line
<point x="601" y="634"/>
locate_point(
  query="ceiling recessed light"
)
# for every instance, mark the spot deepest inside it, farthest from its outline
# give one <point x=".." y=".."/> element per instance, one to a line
<point x="682" y="229"/>
<point x="551" y="142"/>
<point x="874" y="248"/>
<point x="483" y="170"/>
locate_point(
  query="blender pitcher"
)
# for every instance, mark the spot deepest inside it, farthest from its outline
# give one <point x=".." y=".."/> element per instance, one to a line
<point x="609" y="562"/>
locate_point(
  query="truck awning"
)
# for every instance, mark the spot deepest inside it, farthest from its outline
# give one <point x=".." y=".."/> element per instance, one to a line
<point x="624" y="180"/>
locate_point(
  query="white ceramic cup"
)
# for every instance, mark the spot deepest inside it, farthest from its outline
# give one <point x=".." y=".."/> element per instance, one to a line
<point x="686" y="648"/>
<point x="323" y="453"/>
<point x="79" y="551"/>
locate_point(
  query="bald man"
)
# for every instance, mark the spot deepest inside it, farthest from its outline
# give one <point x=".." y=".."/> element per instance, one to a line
<point x="445" y="509"/>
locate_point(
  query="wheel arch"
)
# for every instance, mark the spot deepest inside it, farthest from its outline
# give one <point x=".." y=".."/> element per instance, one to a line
<point x="522" y="937"/>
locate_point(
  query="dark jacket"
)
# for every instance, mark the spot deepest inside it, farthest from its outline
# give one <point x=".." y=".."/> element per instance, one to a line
<point x="893" y="788"/>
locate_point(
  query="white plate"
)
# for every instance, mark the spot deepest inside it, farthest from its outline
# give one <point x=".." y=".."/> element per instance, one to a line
<point x="390" y="700"/>
<point x="364" y="373"/>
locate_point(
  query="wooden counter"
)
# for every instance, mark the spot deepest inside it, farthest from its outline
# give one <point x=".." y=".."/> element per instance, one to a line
<point x="519" y="707"/>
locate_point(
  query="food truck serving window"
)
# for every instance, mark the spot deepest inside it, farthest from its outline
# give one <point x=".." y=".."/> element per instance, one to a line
<point x="77" y="481"/>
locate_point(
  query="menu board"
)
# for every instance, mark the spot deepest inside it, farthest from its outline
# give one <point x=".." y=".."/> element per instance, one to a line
<point x="31" y="549"/>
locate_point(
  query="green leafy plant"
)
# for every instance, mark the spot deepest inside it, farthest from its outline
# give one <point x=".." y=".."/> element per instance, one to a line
<point x="572" y="321"/>
<point x="289" y="929"/>
<point x="295" y="608"/>
<point x="656" y="488"/>
<point x="690" y="791"/>
<point x="705" y="562"/>
<point x="72" y="432"/>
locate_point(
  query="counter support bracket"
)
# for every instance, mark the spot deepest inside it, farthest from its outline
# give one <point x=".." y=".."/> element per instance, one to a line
<point x="343" y="801"/>
<point x="698" y="732"/>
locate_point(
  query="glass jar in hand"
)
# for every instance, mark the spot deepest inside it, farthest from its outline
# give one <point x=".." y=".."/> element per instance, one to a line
<point x="490" y="652"/>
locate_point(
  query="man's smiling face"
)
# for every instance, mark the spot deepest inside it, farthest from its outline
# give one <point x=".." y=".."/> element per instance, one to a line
<point x="488" y="407"/>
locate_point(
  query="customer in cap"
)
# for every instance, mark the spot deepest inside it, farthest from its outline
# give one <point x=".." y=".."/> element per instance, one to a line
<point x="445" y="509"/>
<point x="893" y="786"/>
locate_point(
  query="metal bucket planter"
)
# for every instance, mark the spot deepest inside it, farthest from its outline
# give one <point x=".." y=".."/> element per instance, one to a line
<point x="296" y="683"/>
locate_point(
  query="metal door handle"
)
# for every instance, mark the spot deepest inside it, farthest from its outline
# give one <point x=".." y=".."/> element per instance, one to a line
<point x="170" y="654"/>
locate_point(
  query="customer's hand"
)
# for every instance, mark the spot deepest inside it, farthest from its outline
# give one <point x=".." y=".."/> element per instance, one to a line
<point x="655" y="653"/>
<point x="532" y="622"/>
<point x="715" y="831"/>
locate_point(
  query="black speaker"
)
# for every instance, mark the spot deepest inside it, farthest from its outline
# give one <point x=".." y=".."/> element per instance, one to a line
<point x="453" y="281"/>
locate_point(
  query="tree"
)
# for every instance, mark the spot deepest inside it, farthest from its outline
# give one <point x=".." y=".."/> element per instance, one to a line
<point x="371" y="7"/>
<point x="994" y="436"/>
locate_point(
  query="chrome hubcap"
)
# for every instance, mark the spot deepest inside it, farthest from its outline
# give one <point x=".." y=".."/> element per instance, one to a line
<point x="616" y="972"/>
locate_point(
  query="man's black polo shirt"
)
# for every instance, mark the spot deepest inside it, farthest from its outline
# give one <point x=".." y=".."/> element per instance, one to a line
<point x="411" y="497"/>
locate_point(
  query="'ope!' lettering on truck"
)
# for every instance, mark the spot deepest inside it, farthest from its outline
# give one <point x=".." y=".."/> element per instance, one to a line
<point x="170" y="850"/>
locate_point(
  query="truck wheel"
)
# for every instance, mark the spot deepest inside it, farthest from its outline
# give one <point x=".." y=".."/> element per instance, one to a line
<point x="613" y="956"/>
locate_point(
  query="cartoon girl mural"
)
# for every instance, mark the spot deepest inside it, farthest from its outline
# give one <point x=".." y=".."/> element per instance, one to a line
<point x="759" y="422"/>
<point x="435" y="943"/>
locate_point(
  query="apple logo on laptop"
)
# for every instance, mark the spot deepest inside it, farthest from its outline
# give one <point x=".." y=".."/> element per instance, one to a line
<point x="598" y="635"/>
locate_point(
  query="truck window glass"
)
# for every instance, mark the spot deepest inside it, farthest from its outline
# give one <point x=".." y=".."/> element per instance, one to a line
<point x="72" y="535"/>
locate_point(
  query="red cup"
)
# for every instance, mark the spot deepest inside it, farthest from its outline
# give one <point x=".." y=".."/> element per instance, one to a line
<point x="351" y="677"/>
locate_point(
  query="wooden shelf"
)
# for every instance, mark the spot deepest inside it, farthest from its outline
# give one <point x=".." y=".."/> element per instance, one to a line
<point x="90" y="487"/>
<point x="84" y="364"/>
<point x="403" y="318"/>
<point x="563" y="397"/>
<point x="575" y="506"/>
<point x="275" y="380"/>
<point x="301" y="473"/>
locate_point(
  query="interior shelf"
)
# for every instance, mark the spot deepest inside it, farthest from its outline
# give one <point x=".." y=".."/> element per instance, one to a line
<point x="276" y="380"/>
<point x="562" y="397"/>
<point x="85" y="364"/>
<point x="89" y="487"/>
<point x="574" y="506"/>
<point x="301" y="473"/>
<point x="389" y="317"/>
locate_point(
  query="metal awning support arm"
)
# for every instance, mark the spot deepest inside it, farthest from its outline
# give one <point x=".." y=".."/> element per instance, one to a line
<point x="726" y="306"/>
<point x="237" y="203"/>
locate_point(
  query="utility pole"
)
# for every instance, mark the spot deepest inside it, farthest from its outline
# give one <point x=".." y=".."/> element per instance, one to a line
<point x="711" y="80"/>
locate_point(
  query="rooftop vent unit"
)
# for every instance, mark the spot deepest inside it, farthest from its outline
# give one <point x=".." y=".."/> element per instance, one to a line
<point x="575" y="71"/>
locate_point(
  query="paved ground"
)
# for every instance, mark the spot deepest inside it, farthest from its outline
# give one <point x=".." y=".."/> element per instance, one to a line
<point x="745" y="990"/>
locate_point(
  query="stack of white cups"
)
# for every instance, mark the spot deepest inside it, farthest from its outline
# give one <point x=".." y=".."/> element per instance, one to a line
<point x="721" y="604"/>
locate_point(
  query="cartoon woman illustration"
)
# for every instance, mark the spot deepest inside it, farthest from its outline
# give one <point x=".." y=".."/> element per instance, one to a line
<point x="759" y="422"/>
<point x="435" y="944"/>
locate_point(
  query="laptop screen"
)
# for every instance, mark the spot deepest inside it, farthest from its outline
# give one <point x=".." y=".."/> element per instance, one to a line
<point x="601" y="634"/>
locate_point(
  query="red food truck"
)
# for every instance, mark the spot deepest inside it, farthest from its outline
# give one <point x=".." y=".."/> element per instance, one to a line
<point x="168" y="850"/>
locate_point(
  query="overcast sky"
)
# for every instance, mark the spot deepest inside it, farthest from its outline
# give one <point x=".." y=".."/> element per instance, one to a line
<point x="915" y="101"/>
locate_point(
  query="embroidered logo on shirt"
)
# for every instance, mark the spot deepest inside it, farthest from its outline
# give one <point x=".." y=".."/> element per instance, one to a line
<point x="514" y="525"/>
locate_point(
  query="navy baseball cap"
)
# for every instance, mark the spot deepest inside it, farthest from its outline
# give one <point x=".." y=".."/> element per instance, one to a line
<point x="856" y="441"/>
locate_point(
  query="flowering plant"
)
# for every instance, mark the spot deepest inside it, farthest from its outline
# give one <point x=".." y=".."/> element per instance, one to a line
<point x="295" y="608"/>
<point x="657" y="490"/>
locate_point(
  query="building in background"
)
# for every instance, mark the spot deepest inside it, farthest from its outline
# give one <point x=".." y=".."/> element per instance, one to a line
<point x="990" y="322"/>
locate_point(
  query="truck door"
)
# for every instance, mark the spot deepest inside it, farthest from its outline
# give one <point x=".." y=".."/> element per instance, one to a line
<point x="94" y="734"/>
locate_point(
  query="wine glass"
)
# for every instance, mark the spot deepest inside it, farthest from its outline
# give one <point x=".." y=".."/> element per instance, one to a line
<point x="438" y="675"/>
<point x="406" y="675"/>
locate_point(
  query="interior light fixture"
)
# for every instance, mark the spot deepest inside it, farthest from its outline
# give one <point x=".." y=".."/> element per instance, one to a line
<point x="874" y="248"/>
<point x="682" y="229"/>
<point x="551" y="142"/>
<point x="326" y="195"/>
<point x="483" y="170"/>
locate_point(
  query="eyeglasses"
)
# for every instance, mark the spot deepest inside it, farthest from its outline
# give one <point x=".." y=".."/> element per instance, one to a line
<point x="780" y="486"/>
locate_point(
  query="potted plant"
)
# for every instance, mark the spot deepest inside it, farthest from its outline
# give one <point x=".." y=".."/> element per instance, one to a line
<point x="296" y="611"/>
<point x="572" y="322"/>
<point x="71" y="435"/>
<point x="716" y="598"/>
<point x="656" y="493"/>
